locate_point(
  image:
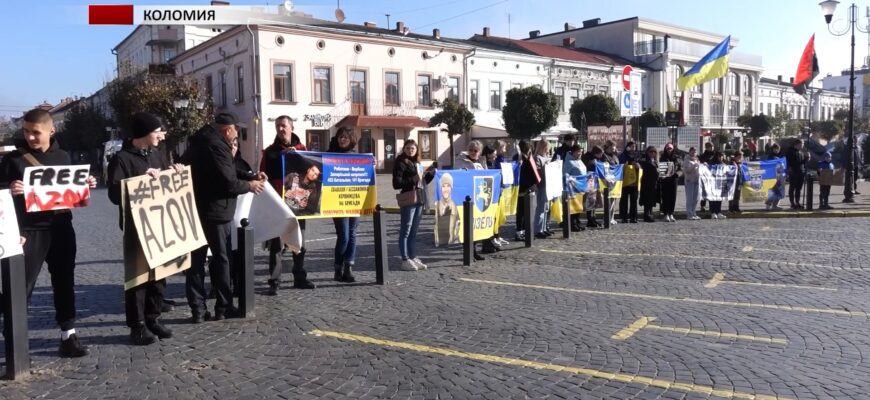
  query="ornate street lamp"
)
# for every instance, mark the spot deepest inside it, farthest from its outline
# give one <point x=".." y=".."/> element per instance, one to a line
<point x="828" y="8"/>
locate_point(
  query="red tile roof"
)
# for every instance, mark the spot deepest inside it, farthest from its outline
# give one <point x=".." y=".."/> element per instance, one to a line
<point x="370" y="121"/>
<point x="551" y="51"/>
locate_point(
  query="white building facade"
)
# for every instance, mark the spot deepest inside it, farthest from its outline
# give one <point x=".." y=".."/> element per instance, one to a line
<point x="817" y="105"/>
<point x="840" y="83"/>
<point x="150" y="46"/>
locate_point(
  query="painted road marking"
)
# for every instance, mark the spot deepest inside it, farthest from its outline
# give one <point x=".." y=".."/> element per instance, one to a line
<point x="790" y="251"/>
<point x="768" y="228"/>
<point x="781" y="307"/>
<point x="747" y="249"/>
<point x="589" y="372"/>
<point x="719" y="278"/>
<point x="736" y="237"/>
<point x="684" y="256"/>
<point x="645" y="323"/>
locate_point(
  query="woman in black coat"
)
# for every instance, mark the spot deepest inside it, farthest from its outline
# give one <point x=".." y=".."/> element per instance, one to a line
<point x="669" y="183"/>
<point x="649" y="183"/>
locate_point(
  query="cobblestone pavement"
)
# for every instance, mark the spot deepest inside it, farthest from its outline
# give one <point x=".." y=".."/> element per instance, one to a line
<point x="687" y="310"/>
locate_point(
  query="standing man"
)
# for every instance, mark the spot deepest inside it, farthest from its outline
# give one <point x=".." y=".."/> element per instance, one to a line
<point x="139" y="156"/>
<point x="215" y="186"/>
<point x="50" y="236"/>
<point x="795" y="160"/>
<point x="561" y="153"/>
<point x="273" y="165"/>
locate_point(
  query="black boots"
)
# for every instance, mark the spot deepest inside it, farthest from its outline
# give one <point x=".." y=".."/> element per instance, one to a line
<point x="300" y="280"/>
<point x="347" y="273"/>
<point x="590" y="220"/>
<point x="141" y="336"/>
<point x="273" y="287"/>
<point x="72" y="348"/>
<point x="158" y="329"/>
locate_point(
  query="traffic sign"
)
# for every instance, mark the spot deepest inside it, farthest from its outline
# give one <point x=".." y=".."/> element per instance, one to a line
<point x="625" y="104"/>
<point x="626" y="77"/>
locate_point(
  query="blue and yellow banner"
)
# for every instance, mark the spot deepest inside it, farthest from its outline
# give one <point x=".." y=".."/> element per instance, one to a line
<point x="507" y="203"/>
<point x="484" y="187"/>
<point x="711" y="66"/>
<point x="761" y="178"/>
<point x="610" y="176"/>
<point x="329" y="185"/>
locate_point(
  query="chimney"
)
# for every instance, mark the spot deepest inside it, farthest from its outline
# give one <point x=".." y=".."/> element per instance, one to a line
<point x="370" y="24"/>
<point x="779" y="78"/>
<point x="569" y="27"/>
<point x="568" y="42"/>
<point x="534" y="34"/>
<point x="591" y="22"/>
<point x="400" y="26"/>
<point x="485" y="31"/>
<point x="436" y="33"/>
<point x="791" y="80"/>
<point x="219" y="3"/>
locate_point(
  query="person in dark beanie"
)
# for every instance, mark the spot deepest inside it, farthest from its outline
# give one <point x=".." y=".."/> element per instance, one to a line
<point x="561" y="153"/>
<point x="215" y="186"/>
<point x="272" y="163"/>
<point x="49" y="235"/>
<point x="139" y="156"/>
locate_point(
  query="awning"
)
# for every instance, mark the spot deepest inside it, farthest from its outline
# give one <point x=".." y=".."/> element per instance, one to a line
<point x="371" y="121"/>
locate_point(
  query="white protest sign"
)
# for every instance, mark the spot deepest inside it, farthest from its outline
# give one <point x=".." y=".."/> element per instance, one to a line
<point x="59" y="187"/>
<point x="507" y="174"/>
<point x="270" y="218"/>
<point x="10" y="244"/>
<point x="165" y="215"/>
<point x="553" y="172"/>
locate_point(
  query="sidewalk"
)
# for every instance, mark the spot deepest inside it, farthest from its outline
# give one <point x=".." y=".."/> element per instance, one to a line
<point x="751" y="209"/>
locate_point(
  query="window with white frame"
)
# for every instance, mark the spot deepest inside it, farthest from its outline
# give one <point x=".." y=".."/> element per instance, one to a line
<point x="495" y="95"/>
<point x="222" y="76"/>
<point x="573" y="94"/>
<point x="424" y="90"/>
<point x="240" y="84"/>
<point x="733" y="84"/>
<point x="391" y="89"/>
<point x="322" y="81"/>
<point x="282" y="78"/>
<point x="559" y="92"/>
<point x="453" y="88"/>
<point x="475" y="94"/>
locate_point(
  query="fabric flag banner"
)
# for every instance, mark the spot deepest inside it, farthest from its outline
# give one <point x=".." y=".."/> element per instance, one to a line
<point x="808" y="67"/>
<point x="760" y="177"/>
<point x="269" y="216"/>
<point x="329" y="185"/>
<point x="507" y="203"/>
<point x="453" y="186"/>
<point x="718" y="182"/>
<point x="711" y="66"/>
<point x="611" y="176"/>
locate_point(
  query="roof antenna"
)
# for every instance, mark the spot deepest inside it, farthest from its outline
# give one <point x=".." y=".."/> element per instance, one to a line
<point x="388" y="20"/>
<point x="509" y="26"/>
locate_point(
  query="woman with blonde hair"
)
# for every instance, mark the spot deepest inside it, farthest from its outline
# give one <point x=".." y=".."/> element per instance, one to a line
<point x="542" y="158"/>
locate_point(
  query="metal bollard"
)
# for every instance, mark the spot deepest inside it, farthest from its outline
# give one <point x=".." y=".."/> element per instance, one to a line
<point x="531" y="205"/>
<point x="245" y="268"/>
<point x="607" y="206"/>
<point x="809" y="200"/>
<point x="467" y="231"/>
<point x="15" y="317"/>
<point x="566" y="216"/>
<point x="381" y="256"/>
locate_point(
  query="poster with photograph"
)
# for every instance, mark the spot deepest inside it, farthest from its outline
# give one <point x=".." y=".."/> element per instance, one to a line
<point x="451" y="189"/>
<point x="329" y="185"/>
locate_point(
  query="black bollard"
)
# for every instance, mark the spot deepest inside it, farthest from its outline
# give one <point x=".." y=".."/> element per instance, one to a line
<point x="245" y="268"/>
<point x="15" y="317"/>
<point x="809" y="185"/>
<point x="381" y="257"/>
<point x="467" y="231"/>
<point x="607" y="206"/>
<point x="566" y="216"/>
<point x="531" y="205"/>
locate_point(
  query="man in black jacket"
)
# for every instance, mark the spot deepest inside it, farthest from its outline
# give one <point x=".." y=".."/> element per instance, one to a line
<point x="50" y="236"/>
<point x="795" y="161"/>
<point x="567" y="142"/>
<point x="215" y="186"/>
<point x="139" y="156"/>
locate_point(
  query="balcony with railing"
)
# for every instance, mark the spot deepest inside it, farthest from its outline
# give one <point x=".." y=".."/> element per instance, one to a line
<point x="695" y="120"/>
<point x="649" y="47"/>
<point x="699" y="50"/>
<point x="378" y="107"/>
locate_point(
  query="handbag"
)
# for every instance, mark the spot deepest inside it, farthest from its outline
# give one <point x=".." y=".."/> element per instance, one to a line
<point x="410" y="198"/>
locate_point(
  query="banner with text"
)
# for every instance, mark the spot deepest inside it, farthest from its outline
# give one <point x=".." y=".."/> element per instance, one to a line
<point x="165" y="215"/>
<point x="610" y="176"/>
<point x="10" y="244"/>
<point x="62" y="187"/>
<point x="329" y="185"/>
<point x="453" y="186"/>
<point x="760" y="177"/>
<point x="718" y="182"/>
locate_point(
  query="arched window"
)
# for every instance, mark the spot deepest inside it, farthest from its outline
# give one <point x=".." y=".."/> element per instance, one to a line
<point x="678" y="72"/>
<point x="733" y="84"/>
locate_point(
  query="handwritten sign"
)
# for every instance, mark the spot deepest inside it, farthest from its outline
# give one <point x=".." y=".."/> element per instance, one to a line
<point x="165" y="216"/>
<point x="9" y="235"/>
<point x="48" y="188"/>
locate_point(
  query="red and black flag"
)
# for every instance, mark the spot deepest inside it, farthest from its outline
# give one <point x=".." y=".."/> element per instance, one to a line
<point x="808" y="67"/>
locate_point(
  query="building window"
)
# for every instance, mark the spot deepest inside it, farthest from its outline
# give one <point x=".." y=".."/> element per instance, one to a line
<point x="209" y="87"/>
<point x="770" y="109"/>
<point x="240" y="84"/>
<point x="358" y="86"/>
<point x="323" y="85"/>
<point x="223" y="83"/>
<point x="365" y="144"/>
<point x="427" y="139"/>
<point x="733" y="84"/>
<point x="516" y="85"/>
<point x="696" y="107"/>
<point x="495" y="95"/>
<point x="573" y="94"/>
<point x="424" y="90"/>
<point x="315" y="139"/>
<point x="559" y="92"/>
<point x="391" y="89"/>
<point x="475" y="95"/>
<point x="734" y="108"/>
<point x="282" y="78"/>
<point x="747" y="86"/>
<point x="453" y="88"/>
<point x="678" y="72"/>
<point x="588" y="90"/>
<point x="716" y="86"/>
<point x="748" y="108"/>
<point x="168" y="54"/>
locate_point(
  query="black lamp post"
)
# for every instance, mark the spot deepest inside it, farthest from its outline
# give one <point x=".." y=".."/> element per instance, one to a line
<point x="828" y="8"/>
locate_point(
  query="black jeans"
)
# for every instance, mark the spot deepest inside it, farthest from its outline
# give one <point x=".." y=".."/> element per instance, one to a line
<point x="669" y="195"/>
<point x="795" y="184"/>
<point x="276" y="260"/>
<point x="628" y="203"/>
<point x="217" y="234"/>
<point x="143" y="302"/>
<point x="56" y="247"/>
<point x="715" y="207"/>
<point x="824" y="193"/>
<point x="522" y="203"/>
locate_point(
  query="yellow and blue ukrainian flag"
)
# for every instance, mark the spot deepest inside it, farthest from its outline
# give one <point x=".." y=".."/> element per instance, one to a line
<point x="711" y="66"/>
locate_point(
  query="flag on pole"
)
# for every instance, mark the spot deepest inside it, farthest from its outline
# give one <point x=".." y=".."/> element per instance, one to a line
<point x="808" y="67"/>
<point x="711" y="66"/>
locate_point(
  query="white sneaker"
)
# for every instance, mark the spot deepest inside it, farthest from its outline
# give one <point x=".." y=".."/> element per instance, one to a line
<point x="612" y="222"/>
<point x="408" y="265"/>
<point x="722" y="216"/>
<point x="714" y="216"/>
<point x="696" y="218"/>
<point x="503" y="242"/>
<point x="672" y="218"/>
<point x="419" y="264"/>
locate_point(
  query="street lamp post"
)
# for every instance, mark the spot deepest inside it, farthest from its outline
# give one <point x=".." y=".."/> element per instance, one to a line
<point x="828" y="8"/>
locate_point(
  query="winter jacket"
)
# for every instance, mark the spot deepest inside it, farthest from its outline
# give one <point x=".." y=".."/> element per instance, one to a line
<point x="561" y="153"/>
<point x="464" y="162"/>
<point x="272" y="162"/>
<point x="128" y="163"/>
<point x="528" y="179"/>
<point x="573" y="166"/>
<point x="795" y="162"/>
<point x="611" y="159"/>
<point x="243" y="169"/>
<point x="215" y="182"/>
<point x="707" y="156"/>
<point x="649" y="183"/>
<point x="12" y="169"/>
<point x="405" y="175"/>
<point x="691" y="170"/>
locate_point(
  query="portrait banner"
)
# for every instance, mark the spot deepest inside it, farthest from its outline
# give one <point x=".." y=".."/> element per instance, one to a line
<point x="760" y="177"/>
<point x="451" y="189"/>
<point x="62" y="187"/>
<point x="164" y="215"/>
<point x="329" y="185"/>
<point x="718" y="182"/>
<point x="10" y="238"/>
<point x="610" y="176"/>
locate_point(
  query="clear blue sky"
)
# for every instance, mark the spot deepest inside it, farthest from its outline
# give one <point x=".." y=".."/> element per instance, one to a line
<point x="51" y="52"/>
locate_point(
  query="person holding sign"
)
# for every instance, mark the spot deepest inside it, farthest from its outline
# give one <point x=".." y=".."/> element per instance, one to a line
<point x="409" y="178"/>
<point x="139" y="156"/>
<point x="50" y="236"/>
<point x="216" y="187"/>
<point x="345" y="228"/>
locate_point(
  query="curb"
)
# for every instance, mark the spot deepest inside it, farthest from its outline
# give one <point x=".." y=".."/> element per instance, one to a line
<point x="745" y="214"/>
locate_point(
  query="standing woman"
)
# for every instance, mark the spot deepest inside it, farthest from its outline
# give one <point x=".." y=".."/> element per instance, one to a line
<point x="716" y="206"/>
<point x="692" y="175"/>
<point x="573" y="166"/>
<point x="669" y="183"/>
<point x="628" y="201"/>
<point x="542" y="157"/>
<point x="649" y="183"/>
<point x="529" y="179"/>
<point x="345" y="228"/>
<point x="409" y="176"/>
<point x="611" y="158"/>
<point x="734" y="204"/>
